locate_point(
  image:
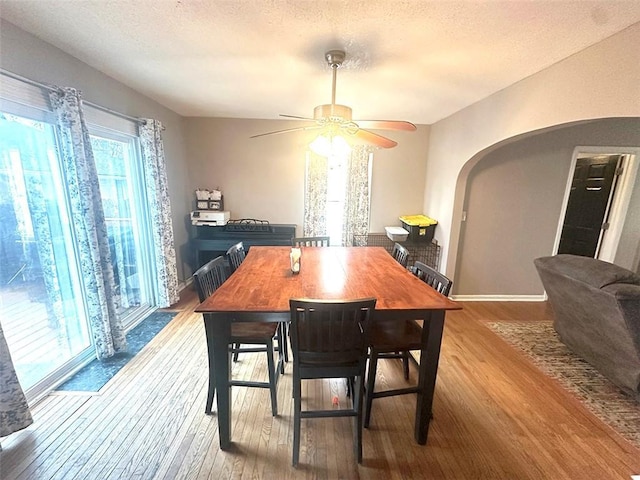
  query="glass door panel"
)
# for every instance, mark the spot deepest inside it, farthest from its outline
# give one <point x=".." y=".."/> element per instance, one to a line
<point x="117" y="176"/>
<point x="41" y="307"/>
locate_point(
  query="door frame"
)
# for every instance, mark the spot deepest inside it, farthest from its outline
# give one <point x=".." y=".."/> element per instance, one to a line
<point x="619" y="205"/>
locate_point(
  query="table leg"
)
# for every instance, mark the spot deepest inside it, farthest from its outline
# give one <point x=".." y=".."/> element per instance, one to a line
<point x="429" y="356"/>
<point x="220" y="329"/>
<point x="212" y="369"/>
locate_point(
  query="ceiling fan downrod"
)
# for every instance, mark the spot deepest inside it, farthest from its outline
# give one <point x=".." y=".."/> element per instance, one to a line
<point x="334" y="59"/>
<point x="332" y="113"/>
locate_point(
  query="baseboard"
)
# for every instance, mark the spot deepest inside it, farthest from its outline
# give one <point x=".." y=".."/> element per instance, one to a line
<point x="185" y="284"/>
<point x="499" y="298"/>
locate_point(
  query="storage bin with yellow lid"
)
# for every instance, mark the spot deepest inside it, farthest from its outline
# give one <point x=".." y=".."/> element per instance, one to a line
<point x="420" y="227"/>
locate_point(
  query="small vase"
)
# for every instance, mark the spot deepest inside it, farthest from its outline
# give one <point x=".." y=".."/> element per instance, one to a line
<point x="294" y="257"/>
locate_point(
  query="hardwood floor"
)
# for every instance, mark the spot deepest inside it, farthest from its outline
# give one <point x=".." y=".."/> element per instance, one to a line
<point x="496" y="416"/>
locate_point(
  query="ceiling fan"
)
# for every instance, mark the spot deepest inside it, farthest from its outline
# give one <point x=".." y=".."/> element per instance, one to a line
<point x="335" y="120"/>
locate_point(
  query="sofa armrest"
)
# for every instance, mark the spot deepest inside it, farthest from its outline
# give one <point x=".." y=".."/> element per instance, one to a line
<point x="628" y="298"/>
<point x="591" y="271"/>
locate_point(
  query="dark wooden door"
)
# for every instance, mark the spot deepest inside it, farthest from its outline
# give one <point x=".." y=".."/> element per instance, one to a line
<point x="591" y="190"/>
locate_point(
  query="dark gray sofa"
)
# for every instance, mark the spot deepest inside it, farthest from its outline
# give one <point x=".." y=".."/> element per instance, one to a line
<point x="596" y="308"/>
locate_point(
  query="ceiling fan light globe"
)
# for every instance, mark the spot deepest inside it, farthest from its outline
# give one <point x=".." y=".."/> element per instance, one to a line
<point x="339" y="146"/>
<point x="321" y="146"/>
<point x="330" y="146"/>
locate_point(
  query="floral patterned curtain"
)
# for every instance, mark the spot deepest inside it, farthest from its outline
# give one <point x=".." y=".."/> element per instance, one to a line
<point x="160" y="208"/>
<point x="79" y="172"/>
<point x="14" y="411"/>
<point x="315" y="196"/>
<point x="357" y="194"/>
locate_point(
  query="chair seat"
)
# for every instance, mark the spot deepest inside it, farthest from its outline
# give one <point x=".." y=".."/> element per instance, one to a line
<point x="252" y="332"/>
<point x="394" y="336"/>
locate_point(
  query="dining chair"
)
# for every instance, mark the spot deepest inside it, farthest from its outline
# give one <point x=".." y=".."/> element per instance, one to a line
<point x="401" y="254"/>
<point x="310" y="241"/>
<point x="319" y="241"/>
<point x="395" y="339"/>
<point x="208" y="279"/>
<point x="329" y="339"/>
<point x="235" y="255"/>
<point x="432" y="277"/>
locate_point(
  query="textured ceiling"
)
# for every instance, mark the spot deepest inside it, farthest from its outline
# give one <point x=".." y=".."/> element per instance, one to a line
<point x="415" y="60"/>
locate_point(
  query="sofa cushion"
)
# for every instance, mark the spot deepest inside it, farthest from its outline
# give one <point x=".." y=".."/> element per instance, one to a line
<point x="596" y="273"/>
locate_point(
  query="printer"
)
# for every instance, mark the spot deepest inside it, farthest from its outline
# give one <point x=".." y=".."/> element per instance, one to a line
<point x="211" y="218"/>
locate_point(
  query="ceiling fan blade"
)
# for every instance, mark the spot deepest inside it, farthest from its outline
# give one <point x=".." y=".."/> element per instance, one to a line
<point x="297" y="117"/>
<point x="375" y="139"/>
<point x="386" y="125"/>
<point x="312" y="127"/>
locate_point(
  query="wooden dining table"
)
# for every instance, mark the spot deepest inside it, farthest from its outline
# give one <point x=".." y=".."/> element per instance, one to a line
<point x="260" y="289"/>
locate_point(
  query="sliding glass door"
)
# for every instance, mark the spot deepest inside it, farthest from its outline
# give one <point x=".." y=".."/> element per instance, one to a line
<point x="41" y="306"/>
<point x="42" y="293"/>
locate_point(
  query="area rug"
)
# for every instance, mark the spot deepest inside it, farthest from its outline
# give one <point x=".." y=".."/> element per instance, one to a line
<point x="96" y="374"/>
<point x="540" y="342"/>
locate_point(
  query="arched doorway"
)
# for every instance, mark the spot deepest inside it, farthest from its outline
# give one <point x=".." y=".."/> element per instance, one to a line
<point x="510" y="199"/>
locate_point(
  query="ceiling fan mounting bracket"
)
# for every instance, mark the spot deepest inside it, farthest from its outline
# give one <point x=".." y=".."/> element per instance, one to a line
<point x="335" y="58"/>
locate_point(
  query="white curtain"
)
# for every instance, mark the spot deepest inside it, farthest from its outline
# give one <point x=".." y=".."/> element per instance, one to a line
<point x="357" y="194"/>
<point x="160" y="207"/>
<point x="315" y="196"/>
<point x="87" y="214"/>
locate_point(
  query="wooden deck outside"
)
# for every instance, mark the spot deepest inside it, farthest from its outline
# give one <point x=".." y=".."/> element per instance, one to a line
<point x="495" y="416"/>
<point x="30" y="335"/>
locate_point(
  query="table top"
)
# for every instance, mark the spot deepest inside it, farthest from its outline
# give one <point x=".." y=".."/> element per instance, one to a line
<point x="264" y="282"/>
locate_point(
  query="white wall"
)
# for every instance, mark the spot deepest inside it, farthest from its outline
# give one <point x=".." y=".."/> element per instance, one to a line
<point x="601" y="81"/>
<point x="264" y="177"/>
<point x="26" y="55"/>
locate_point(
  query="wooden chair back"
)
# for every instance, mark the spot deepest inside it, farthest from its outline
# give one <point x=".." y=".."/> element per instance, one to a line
<point x="209" y="277"/>
<point x="236" y="254"/>
<point x="432" y="277"/>
<point x="310" y="241"/>
<point x="401" y="254"/>
<point x="330" y="333"/>
<point x="329" y="339"/>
